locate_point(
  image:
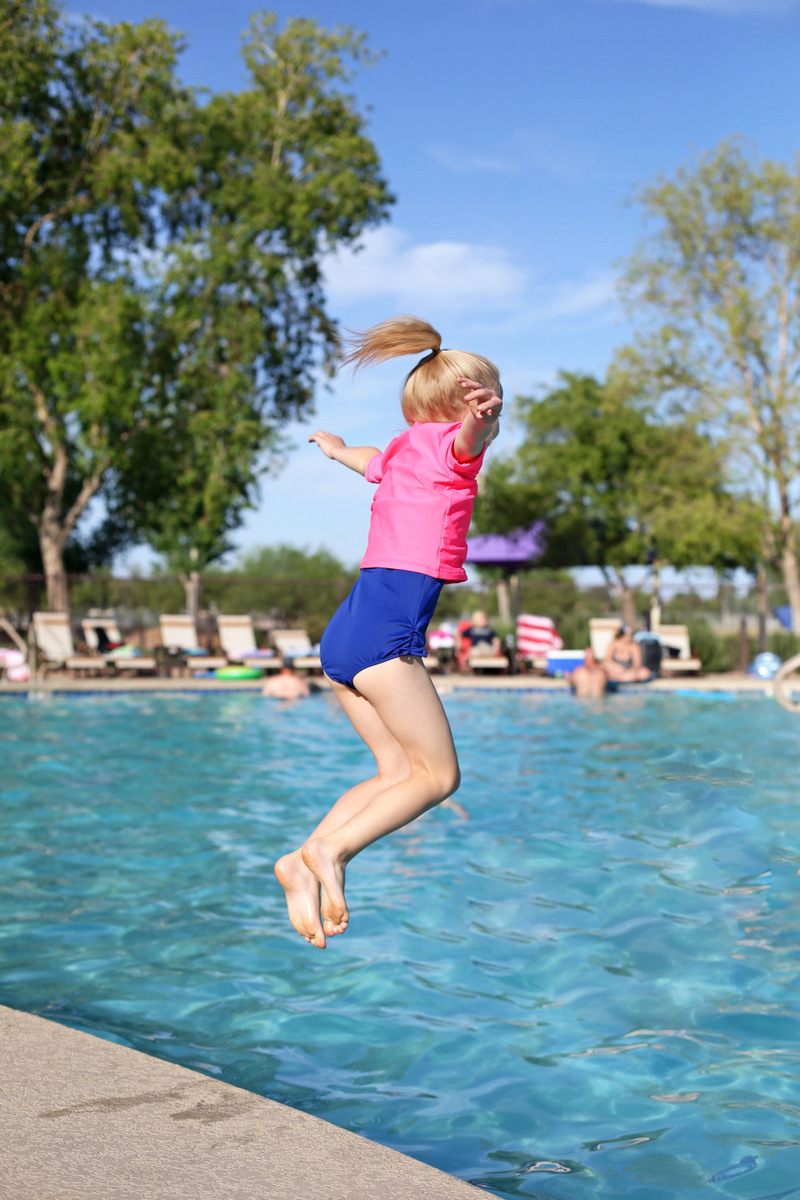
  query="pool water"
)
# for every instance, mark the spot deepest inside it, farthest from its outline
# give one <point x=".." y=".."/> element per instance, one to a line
<point x="587" y="987"/>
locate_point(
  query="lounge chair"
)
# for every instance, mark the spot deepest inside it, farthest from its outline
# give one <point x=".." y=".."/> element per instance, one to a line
<point x="239" y="643"/>
<point x="487" y="662"/>
<point x="296" y="645"/>
<point x="53" y="636"/>
<point x="122" y="659"/>
<point x="178" y="632"/>
<point x="676" y="638"/>
<point x="535" y="636"/>
<point x="602" y="631"/>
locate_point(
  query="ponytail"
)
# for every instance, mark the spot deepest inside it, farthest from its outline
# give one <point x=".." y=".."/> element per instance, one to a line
<point x="431" y="391"/>
<point x="390" y="339"/>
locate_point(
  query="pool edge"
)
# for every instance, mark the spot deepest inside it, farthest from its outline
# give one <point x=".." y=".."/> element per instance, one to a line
<point x="88" y="1119"/>
<point x="730" y="683"/>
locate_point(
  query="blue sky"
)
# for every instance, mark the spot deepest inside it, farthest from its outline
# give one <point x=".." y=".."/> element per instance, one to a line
<point x="515" y="134"/>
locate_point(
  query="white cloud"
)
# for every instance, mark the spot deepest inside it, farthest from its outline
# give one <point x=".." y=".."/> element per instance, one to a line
<point x="465" y="161"/>
<point x="576" y="299"/>
<point x="522" y="150"/>
<point x="431" y="276"/>
<point x="591" y="301"/>
<point x="726" y="7"/>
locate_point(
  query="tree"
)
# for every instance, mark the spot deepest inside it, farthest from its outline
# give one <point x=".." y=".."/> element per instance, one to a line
<point x="716" y="290"/>
<point x="612" y="484"/>
<point x="161" y="305"/>
<point x="297" y="586"/>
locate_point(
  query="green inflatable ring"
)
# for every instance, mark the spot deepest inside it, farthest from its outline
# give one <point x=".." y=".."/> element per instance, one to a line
<point x="239" y="673"/>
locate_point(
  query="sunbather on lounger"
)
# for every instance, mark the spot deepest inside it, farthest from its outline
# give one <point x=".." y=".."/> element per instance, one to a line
<point x="623" y="660"/>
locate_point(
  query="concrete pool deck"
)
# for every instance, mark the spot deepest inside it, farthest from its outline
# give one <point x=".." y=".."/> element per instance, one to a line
<point x="86" y="1119"/>
<point x="58" y="684"/>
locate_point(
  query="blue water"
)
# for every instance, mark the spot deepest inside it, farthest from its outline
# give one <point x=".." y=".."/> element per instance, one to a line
<point x="588" y="989"/>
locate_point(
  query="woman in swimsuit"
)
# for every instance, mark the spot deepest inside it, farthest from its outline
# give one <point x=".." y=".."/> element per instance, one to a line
<point x="373" y="648"/>
<point x="623" y="659"/>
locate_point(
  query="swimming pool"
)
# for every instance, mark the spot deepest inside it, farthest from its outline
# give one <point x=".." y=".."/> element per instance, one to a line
<point x="588" y="989"/>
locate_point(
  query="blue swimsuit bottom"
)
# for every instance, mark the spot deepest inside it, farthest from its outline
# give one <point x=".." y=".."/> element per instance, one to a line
<point x="385" y="616"/>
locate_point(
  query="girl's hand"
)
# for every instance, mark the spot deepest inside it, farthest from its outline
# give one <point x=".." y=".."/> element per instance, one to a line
<point x="480" y="425"/>
<point x="354" y="457"/>
<point x="328" y="443"/>
<point x="484" y="404"/>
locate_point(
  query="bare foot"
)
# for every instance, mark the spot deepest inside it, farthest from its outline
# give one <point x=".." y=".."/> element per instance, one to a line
<point x="302" y="897"/>
<point x="330" y="873"/>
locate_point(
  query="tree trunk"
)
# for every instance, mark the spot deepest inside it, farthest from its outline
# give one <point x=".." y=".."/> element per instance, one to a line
<point x="791" y="579"/>
<point x="655" y="602"/>
<point x="50" y="544"/>
<point x="624" y="593"/>
<point x="55" y="527"/>
<point x="763" y="610"/>
<point x="788" y="555"/>
<point x="193" y="586"/>
<point x="503" y="602"/>
<point x="628" y="604"/>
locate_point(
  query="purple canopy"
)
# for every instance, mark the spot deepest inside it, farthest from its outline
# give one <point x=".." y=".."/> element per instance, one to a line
<point x="510" y="551"/>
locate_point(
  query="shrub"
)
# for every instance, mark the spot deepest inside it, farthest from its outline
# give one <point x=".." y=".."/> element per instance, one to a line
<point x="710" y="649"/>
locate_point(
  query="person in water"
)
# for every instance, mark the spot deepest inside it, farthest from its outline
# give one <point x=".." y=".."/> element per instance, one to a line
<point x="372" y="650"/>
<point x="289" y="685"/>
<point x="588" y="681"/>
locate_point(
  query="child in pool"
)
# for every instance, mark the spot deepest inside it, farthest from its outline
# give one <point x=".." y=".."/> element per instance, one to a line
<point x="373" y="647"/>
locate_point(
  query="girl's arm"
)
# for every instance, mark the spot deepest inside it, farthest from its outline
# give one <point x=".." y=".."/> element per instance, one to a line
<point x="354" y="457"/>
<point x="481" y="424"/>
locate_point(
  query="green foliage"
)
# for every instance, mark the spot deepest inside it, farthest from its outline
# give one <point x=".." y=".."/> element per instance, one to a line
<point x="161" y="306"/>
<point x="721" y="652"/>
<point x="611" y="483"/>
<point x="712" y="651"/>
<point x="715" y="291"/>
<point x="279" y="173"/>
<point x="84" y="119"/>
<point x="307" y="589"/>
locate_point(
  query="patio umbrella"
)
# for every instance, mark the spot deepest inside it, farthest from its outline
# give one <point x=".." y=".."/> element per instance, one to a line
<point x="510" y="552"/>
<point x="784" y="615"/>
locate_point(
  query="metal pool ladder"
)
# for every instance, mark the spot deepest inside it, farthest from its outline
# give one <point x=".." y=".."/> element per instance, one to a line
<point x="783" y="686"/>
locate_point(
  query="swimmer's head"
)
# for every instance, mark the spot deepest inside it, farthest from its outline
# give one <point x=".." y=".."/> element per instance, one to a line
<point x="432" y="391"/>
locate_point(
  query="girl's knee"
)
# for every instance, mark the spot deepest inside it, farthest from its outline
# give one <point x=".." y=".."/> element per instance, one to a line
<point x="445" y="779"/>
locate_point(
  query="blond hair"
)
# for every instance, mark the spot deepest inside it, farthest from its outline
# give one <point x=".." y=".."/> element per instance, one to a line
<point x="431" y="391"/>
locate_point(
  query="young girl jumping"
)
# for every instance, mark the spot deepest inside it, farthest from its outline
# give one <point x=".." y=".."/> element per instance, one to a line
<point x="372" y="649"/>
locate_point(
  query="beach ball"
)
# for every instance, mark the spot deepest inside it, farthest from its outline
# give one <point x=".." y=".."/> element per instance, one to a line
<point x="765" y="666"/>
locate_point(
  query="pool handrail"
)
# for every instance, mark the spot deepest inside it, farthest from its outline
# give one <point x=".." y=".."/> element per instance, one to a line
<point x="779" y="684"/>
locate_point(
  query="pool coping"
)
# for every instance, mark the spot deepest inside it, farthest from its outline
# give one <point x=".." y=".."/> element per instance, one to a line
<point x="88" y="1119"/>
<point x="730" y="682"/>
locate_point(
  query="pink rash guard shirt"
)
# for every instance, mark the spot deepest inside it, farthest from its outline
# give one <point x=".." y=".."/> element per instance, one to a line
<point x="423" y="505"/>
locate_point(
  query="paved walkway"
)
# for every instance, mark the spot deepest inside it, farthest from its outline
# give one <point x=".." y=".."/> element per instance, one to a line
<point x="86" y="1119"/>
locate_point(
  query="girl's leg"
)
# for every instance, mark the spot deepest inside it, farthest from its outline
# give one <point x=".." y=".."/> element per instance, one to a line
<point x="408" y="706"/>
<point x="300" y="884"/>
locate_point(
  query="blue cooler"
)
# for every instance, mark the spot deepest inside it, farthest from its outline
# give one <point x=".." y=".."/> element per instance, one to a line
<point x="561" y="662"/>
